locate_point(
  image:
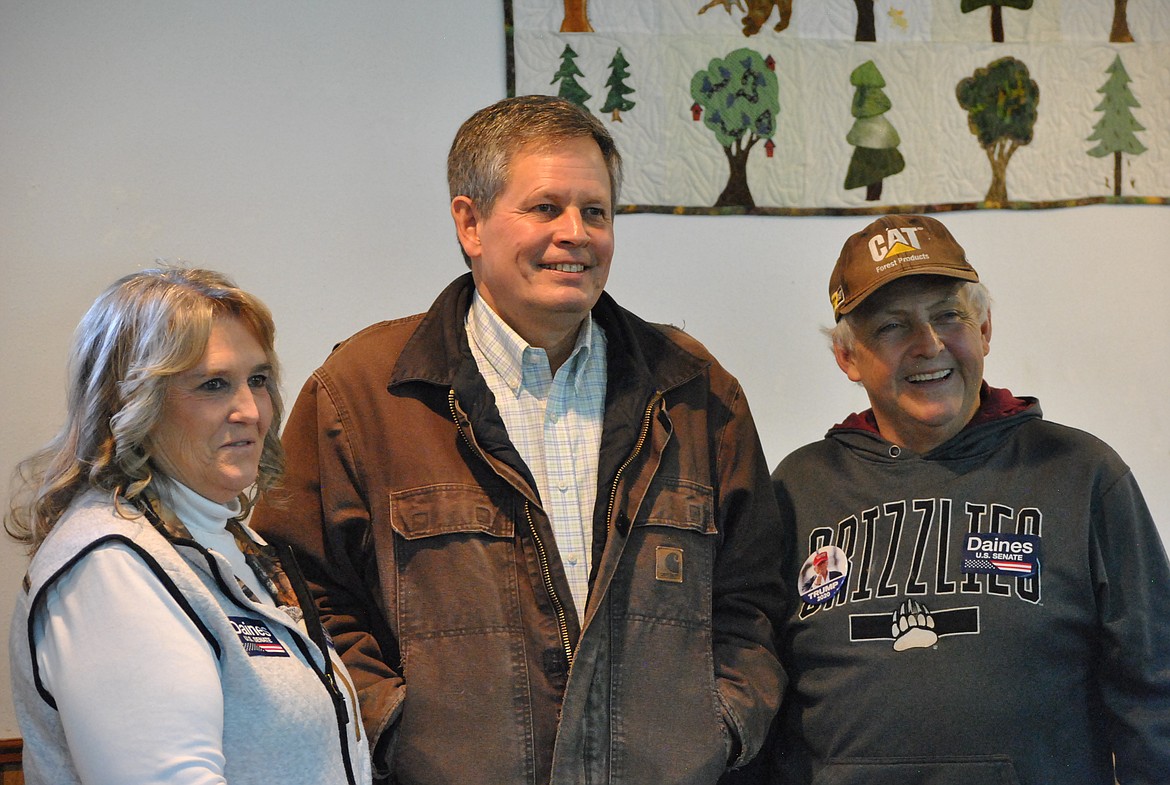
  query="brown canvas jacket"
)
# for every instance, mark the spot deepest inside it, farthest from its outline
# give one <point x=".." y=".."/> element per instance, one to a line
<point x="437" y="574"/>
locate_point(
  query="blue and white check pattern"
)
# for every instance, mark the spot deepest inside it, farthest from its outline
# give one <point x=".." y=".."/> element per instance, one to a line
<point x="554" y="423"/>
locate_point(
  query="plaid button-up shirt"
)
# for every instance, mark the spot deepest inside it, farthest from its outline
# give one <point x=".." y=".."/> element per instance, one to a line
<point x="554" y="423"/>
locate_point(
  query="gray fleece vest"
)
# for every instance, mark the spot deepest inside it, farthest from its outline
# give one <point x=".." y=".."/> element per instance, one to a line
<point x="281" y="724"/>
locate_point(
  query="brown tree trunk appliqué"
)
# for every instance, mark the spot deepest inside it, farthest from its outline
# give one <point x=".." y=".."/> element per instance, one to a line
<point x="997" y="24"/>
<point x="999" y="155"/>
<point x="1120" y="34"/>
<point x="737" y="193"/>
<point x="576" y="17"/>
<point x="866" y="30"/>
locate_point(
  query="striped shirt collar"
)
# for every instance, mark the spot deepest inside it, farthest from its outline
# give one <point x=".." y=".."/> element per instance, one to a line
<point x="506" y="350"/>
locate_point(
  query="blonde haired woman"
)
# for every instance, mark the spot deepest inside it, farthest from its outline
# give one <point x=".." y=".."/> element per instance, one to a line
<point x="157" y="638"/>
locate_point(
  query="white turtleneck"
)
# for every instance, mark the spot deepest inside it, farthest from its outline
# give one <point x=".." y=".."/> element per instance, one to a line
<point x="136" y="684"/>
<point x="207" y="522"/>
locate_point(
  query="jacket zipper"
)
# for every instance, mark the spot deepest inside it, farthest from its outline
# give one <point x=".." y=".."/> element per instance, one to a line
<point x="646" y="417"/>
<point x="353" y="699"/>
<point x="328" y="675"/>
<point x="340" y="709"/>
<point x="546" y="573"/>
<point x="541" y="553"/>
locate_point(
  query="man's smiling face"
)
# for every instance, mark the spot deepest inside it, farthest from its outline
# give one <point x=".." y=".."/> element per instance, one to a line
<point x="541" y="257"/>
<point x="918" y="350"/>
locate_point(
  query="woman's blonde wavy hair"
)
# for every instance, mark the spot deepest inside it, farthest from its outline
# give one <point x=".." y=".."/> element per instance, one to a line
<point x="143" y="330"/>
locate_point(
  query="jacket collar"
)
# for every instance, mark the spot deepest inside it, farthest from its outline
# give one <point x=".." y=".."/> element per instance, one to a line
<point x="438" y="347"/>
<point x="639" y="354"/>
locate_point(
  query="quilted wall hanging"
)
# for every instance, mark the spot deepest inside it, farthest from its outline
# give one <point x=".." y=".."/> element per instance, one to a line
<point x="798" y="107"/>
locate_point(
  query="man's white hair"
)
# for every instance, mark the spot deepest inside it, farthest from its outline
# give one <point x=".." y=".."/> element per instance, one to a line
<point x="975" y="294"/>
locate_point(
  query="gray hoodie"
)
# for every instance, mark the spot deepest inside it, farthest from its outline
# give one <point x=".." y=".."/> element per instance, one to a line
<point x="1003" y="619"/>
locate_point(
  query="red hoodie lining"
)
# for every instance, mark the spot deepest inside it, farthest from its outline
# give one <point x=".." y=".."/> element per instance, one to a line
<point x="995" y="403"/>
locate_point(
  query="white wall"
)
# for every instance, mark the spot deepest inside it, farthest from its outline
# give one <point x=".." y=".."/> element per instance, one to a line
<point x="300" y="147"/>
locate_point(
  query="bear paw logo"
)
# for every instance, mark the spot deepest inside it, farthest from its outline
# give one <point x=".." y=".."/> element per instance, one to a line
<point x="912" y="627"/>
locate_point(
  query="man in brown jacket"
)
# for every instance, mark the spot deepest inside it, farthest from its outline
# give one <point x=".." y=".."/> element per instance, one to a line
<point x="539" y="529"/>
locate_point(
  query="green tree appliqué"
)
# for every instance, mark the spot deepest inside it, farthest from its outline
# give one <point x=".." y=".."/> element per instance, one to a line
<point x="997" y="6"/>
<point x="571" y="89"/>
<point x="1001" y="102"/>
<point x="1116" y="132"/>
<point x="738" y="99"/>
<point x="616" y="102"/>
<point x="874" y="139"/>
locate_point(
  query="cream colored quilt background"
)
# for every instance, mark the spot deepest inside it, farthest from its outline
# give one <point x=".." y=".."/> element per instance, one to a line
<point x="923" y="49"/>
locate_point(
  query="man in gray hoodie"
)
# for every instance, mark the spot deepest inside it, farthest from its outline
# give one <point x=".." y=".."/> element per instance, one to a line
<point x="1002" y="613"/>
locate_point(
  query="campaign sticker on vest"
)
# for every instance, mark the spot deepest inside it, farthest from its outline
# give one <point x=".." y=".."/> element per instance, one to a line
<point x="823" y="575"/>
<point x="1001" y="554"/>
<point x="256" y="638"/>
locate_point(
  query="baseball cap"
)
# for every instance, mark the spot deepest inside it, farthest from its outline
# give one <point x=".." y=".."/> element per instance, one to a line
<point x="890" y="248"/>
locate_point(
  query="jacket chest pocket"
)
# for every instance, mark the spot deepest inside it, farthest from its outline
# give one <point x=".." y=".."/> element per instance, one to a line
<point x="669" y="556"/>
<point x="455" y="558"/>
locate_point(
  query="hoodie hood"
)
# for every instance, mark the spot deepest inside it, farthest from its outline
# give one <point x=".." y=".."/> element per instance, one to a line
<point x="999" y="410"/>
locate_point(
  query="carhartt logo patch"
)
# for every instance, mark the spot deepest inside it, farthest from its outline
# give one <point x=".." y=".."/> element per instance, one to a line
<point x="668" y="564"/>
<point x="256" y="638"/>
